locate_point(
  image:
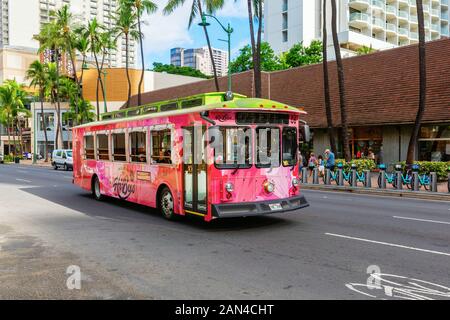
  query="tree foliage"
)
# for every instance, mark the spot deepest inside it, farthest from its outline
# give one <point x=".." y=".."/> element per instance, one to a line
<point x="183" y="71"/>
<point x="298" y="55"/>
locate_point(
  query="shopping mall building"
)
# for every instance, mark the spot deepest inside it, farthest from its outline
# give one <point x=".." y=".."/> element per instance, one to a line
<point x="382" y="93"/>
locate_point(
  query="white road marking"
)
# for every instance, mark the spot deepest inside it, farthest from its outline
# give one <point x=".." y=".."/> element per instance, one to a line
<point x="23" y="180"/>
<point x="422" y="220"/>
<point x="388" y="244"/>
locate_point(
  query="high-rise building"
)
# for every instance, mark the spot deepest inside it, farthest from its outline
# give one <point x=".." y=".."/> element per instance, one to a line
<point x="380" y="24"/>
<point x="20" y="20"/>
<point x="200" y="59"/>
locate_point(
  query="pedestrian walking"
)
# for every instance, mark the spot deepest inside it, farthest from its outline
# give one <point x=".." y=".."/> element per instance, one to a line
<point x="330" y="159"/>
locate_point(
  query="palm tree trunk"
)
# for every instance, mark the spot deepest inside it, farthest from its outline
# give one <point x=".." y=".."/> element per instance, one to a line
<point x="43" y="125"/>
<point x="213" y="63"/>
<point x="81" y="77"/>
<point x="8" y="127"/>
<point x="258" y="70"/>
<point x="422" y="86"/>
<point x="75" y="76"/>
<point x="142" y="59"/>
<point x="254" y="49"/>
<point x="99" y="80"/>
<point x="326" y="82"/>
<point x="341" y="82"/>
<point x="60" y="145"/>
<point x="127" y="70"/>
<point x="14" y="137"/>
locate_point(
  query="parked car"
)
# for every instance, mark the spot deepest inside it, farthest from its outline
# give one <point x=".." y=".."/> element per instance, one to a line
<point x="62" y="158"/>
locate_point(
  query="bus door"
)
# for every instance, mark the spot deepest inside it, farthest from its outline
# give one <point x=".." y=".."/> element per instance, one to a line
<point x="194" y="171"/>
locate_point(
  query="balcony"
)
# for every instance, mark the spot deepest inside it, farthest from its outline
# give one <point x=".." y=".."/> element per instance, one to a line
<point x="378" y="23"/>
<point x="403" y="32"/>
<point x="426" y="8"/>
<point x="444" y="2"/>
<point x="435" y="13"/>
<point x="413" y="19"/>
<point x="359" y="4"/>
<point x="359" y="19"/>
<point x="391" y="10"/>
<point x="412" y="3"/>
<point x="378" y="4"/>
<point x="435" y="28"/>
<point x="444" y="16"/>
<point x="391" y="28"/>
<point x="413" y="35"/>
<point x="444" y="31"/>
<point x="403" y="15"/>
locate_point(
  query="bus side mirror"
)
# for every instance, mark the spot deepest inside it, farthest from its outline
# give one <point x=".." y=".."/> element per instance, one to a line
<point x="306" y="132"/>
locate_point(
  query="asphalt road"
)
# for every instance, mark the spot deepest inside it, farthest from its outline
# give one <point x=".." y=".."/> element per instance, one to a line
<point x="125" y="251"/>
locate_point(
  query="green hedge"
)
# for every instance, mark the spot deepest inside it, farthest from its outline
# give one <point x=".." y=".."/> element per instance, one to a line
<point x="426" y="167"/>
<point x="8" y="158"/>
<point x="361" y="164"/>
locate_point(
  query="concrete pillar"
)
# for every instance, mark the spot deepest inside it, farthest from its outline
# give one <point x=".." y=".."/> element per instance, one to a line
<point x="415" y="181"/>
<point x="304" y="175"/>
<point x="367" y="180"/>
<point x="398" y="177"/>
<point x="327" y="176"/>
<point x="433" y="181"/>
<point x="315" y="176"/>
<point x="340" y="177"/>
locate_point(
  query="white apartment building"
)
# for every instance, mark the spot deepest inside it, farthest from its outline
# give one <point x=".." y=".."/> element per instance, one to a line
<point x="21" y="19"/>
<point x="200" y="59"/>
<point x="381" y="24"/>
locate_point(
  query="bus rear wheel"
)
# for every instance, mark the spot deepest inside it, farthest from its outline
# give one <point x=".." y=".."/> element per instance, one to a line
<point x="96" y="193"/>
<point x="166" y="204"/>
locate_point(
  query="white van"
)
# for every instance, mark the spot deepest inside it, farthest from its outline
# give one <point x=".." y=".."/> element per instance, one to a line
<point x="62" y="158"/>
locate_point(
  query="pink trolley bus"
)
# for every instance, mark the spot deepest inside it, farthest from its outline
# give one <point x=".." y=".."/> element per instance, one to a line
<point x="200" y="155"/>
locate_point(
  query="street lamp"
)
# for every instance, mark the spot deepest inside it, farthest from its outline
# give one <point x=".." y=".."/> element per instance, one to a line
<point x="229" y="30"/>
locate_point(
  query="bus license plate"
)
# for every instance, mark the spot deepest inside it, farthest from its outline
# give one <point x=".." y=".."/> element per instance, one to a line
<point x="275" y="206"/>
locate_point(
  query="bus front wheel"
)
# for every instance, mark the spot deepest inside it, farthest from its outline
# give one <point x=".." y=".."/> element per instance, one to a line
<point x="166" y="204"/>
<point x="96" y="189"/>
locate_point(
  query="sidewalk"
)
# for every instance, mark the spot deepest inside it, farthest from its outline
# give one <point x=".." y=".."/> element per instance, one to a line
<point x="441" y="194"/>
<point x="39" y="163"/>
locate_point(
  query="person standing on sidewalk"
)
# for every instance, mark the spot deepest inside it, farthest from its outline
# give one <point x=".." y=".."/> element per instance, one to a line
<point x="331" y="162"/>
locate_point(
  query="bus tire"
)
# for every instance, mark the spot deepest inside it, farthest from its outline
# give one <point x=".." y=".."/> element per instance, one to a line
<point x="166" y="204"/>
<point x="96" y="191"/>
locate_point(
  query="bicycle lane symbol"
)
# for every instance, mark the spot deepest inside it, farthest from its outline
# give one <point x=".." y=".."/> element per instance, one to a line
<point x="389" y="286"/>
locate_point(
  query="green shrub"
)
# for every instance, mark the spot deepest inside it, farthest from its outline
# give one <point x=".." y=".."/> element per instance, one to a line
<point x="426" y="167"/>
<point x="361" y="164"/>
<point x="9" y="158"/>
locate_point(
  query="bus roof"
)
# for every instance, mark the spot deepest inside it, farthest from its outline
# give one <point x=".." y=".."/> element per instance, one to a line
<point x="192" y="104"/>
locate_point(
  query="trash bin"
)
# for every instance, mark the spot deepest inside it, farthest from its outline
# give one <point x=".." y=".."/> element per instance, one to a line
<point x="16" y="160"/>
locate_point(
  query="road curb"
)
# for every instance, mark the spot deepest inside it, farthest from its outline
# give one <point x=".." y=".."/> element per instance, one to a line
<point x="377" y="192"/>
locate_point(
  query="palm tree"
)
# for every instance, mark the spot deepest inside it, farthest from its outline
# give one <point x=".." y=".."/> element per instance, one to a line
<point x="422" y="85"/>
<point x="53" y="93"/>
<point x="256" y="44"/>
<point x="341" y="82"/>
<point x="12" y="98"/>
<point x="84" y="114"/>
<point x="326" y="82"/>
<point x="141" y="7"/>
<point x="197" y="9"/>
<point x="64" y="21"/>
<point x="126" y="27"/>
<point x="82" y="46"/>
<point x="50" y="39"/>
<point x="93" y="31"/>
<point x="37" y="73"/>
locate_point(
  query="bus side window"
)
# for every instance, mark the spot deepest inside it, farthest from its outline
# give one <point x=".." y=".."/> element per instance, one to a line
<point x="89" y="147"/>
<point x="161" y="145"/>
<point x="102" y="147"/>
<point x="118" y="149"/>
<point x="138" y="141"/>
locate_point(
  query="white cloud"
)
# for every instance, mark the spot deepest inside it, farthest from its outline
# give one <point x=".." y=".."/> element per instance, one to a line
<point x="240" y="45"/>
<point x="164" y="32"/>
<point x="234" y="9"/>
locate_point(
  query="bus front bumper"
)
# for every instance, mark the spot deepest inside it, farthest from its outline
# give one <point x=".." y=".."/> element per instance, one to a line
<point x="245" y="209"/>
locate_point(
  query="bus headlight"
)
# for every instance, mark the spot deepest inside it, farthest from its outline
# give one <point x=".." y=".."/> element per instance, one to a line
<point x="295" y="182"/>
<point x="269" y="187"/>
<point x="229" y="187"/>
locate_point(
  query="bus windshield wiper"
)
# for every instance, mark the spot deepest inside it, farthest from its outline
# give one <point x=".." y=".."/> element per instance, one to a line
<point x="237" y="168"/>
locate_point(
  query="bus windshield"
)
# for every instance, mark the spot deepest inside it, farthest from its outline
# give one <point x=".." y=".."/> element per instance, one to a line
<point x="232" y="147"/>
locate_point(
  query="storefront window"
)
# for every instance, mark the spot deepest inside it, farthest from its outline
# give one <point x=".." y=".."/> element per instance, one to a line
<point x="434" y="143"/>
<point x="365" y="139"/>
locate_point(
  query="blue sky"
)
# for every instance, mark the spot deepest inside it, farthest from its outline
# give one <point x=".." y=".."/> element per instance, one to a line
<point x="165" y="32"/>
